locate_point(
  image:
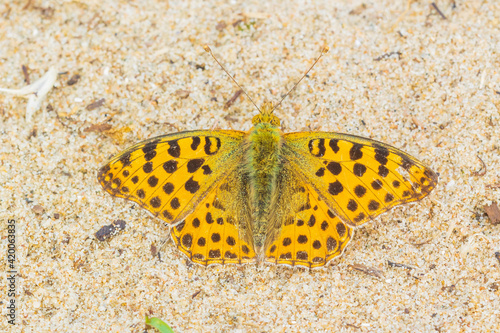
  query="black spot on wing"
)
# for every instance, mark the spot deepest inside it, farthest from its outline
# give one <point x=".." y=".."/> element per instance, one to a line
<point x="187" y="241"/>
<point x="212" y="145"/>
<point x="230" y="241"/>
<point x="180" y="226"/>
<point x="312" y="221"/>
<point x="334" y="145"/>
<point x="383" y="171"/>
<point x="198" y="256"/>
<point x="192" y="186"/>
<point x="406" y="163"/>
<point x="104" y="170"/>
<point x="170" y="166"/>
<point x="287" y="255"/>
<point x="206" y="170"/>
<point x="341" y="229"/>
<point x="167" y="215"/>
<point x="215" y="237"/>
<point x="360" y="191"/>
<point x="377" y="184"/>
<point x="355" y="152"/>
<point x="430" y="174"/>
<point x="359" y="169"/>
<point x="175" y="204"/>
<point x="230" y="255"/>
<point x="194" y="164"/>
<point x="302" y="255"/>
<point x="360" y="217"/>
<point x="373" y="205"/>
<point x="317" y="147"/>
<point x="335" y="168"/>
<point x="168" y="188"/>
<point x="196" y="142"/>
<point x="331" y="244"/>
<point x="149" y="150"/>
<point x="381" y="154"/>
<point x="352" y="205"/>
<point x="335" y="188"/>
<point x="125" y="159"/>
<point x="147" y="167"/>
<point x="324" y="225"/>
<point x="155" y="202"/>
<point x="174" y="150"/>
<point x="214" y="253"/>
<point x="153" y="181"/>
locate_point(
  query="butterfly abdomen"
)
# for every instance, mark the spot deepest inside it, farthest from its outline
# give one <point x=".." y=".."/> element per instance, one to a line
<point x="264" y="165"/>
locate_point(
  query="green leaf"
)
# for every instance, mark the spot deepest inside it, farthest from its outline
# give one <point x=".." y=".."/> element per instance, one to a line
<point x="158" y="324"/>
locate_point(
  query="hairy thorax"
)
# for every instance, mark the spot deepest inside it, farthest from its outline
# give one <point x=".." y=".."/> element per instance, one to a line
<point x="264" y="166"/>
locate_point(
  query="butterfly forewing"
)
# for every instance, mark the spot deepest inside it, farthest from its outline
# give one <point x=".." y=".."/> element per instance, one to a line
<point x="358" y="178"/>
<point x="170" y="174"/>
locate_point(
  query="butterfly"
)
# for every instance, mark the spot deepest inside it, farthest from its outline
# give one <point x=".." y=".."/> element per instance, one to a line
<point x="235" y="197"/>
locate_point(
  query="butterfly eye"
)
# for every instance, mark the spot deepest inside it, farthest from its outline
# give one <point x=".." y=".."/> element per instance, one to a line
<point x="256" y="119"/>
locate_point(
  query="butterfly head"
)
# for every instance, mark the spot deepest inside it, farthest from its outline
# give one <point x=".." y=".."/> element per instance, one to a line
<point x="266" y="115"/>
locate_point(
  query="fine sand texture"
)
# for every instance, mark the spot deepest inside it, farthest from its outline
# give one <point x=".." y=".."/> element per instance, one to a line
<point x="421" y="76"/>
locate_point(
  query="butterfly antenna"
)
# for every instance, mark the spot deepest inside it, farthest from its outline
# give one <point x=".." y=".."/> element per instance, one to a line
<point x="323" y="52"/>
<point x="207" y="49"/>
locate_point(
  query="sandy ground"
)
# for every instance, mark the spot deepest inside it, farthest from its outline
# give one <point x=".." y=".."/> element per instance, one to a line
<point x="397" y="71"/>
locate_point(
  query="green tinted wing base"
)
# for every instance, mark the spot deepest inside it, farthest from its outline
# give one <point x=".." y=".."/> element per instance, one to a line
<point x="303" y="230"/>
<point x="219" y="230"/>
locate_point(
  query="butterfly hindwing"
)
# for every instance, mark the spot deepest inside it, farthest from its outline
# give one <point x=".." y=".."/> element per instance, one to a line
<point x="304" y="230"/>
<point x="358" y="178"/>
<point x="219" y="230"/>
<point x="169" y="175"/>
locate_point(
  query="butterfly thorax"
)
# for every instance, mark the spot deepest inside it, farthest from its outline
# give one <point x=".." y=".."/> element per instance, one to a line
<point x="264" y="161"/>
